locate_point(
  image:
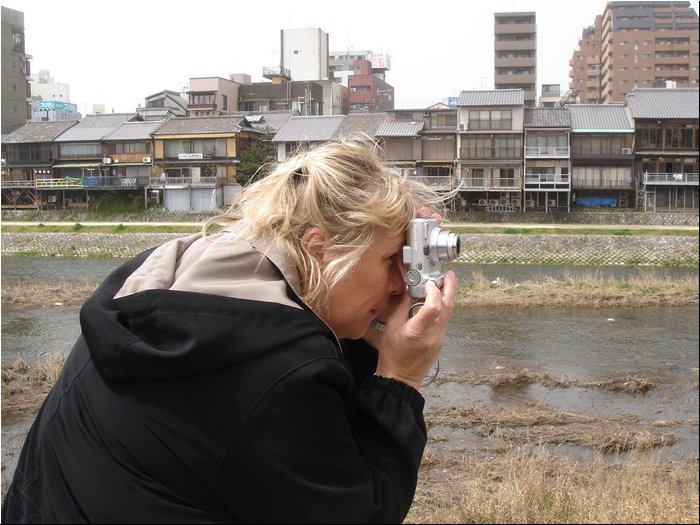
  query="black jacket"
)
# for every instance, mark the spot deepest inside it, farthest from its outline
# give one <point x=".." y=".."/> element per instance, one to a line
<point x="189" y="407"/>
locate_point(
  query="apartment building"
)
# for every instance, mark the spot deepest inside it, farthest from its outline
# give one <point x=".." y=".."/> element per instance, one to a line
<point x="515" y="53"/>
<point x="636" y="45"/>
<point x="16" y="72"/>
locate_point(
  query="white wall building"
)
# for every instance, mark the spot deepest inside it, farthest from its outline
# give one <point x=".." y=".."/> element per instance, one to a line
<point x="305" y="53"/>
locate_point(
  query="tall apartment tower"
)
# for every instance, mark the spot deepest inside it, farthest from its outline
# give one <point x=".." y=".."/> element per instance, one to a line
<point x="304" y="53"/>
<point x="16" y="89"/>
<point x="636" y="44"/>
<point x="515" y="53"/>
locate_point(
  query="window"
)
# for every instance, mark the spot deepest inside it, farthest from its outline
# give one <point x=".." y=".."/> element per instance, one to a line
<point x="79" y="150"/>
<point x="490" y="119"/>
<point x="18" y="41"/>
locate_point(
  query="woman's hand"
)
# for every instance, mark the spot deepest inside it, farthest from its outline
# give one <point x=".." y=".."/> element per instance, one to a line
<point x="408" y="347"/>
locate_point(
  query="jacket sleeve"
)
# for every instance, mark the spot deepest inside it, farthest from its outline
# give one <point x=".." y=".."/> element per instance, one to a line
<point x="318" y="449"/>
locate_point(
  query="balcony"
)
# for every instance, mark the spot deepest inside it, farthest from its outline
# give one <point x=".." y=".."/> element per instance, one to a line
<point x="547" y="152"/>
<point x="547" y="181"/>
<point x="670" y="179"/>
<point x="181" y="182"/>
<point x="73" y="183"/>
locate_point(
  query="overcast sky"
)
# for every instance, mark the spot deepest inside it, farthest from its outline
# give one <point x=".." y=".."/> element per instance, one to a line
<point x="118" y="53"/>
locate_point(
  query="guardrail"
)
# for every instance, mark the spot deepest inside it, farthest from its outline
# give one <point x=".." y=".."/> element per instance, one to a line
<point x="181" y="181"/>
<point x="671" y="178"/>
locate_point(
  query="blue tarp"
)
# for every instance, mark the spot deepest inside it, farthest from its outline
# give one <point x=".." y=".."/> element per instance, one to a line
<point x="609" y="202"/>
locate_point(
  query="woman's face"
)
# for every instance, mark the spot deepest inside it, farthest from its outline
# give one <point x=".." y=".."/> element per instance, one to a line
<point x="364" y="292"/>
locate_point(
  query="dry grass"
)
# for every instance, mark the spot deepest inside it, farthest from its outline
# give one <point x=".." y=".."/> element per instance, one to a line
<point x="593" y="290"/>
<point x="529" y="484"/>
<point x="25" y="386"/>
<point x="35" y="294"/>
<point x="517" y="476"/>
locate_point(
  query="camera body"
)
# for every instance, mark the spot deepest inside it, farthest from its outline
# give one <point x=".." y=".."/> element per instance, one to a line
<point x="427" y="247"/>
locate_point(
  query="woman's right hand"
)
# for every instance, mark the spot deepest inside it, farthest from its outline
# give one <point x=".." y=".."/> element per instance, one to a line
<point x="409" y="346"/>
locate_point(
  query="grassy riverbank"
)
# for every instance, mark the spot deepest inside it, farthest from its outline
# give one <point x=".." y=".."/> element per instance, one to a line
<point x="592" y="290"/>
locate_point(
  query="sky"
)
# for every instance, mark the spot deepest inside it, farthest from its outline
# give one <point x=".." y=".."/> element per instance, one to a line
<point x="119" y="55"/>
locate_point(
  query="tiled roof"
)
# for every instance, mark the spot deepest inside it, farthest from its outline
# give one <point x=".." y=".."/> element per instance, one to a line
<point x="106" y="120"/>
<point x="309" y="129"/>
<point x="201" y="125"/>
<point x="600" y="117"/>
<point x="663" y="103"/>
<point x="356" y="124"/>
<point x="96" y="127"/>
<point x="270" y="121"/>
<point x="400" y="128"/>
<point x="135" y="130"/>
<point x="547" y="118"/>
<point x="38" y="132"/>
<point x="492" y="97"/>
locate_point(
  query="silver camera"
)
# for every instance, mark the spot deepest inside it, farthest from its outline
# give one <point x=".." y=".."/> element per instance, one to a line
<point x="427" y="247"/>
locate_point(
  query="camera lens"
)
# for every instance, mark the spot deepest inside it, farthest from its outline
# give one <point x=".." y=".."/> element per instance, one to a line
<point x="444" y="244"/>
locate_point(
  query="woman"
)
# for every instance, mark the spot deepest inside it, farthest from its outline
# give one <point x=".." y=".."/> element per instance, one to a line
<point x="230" y="377"/>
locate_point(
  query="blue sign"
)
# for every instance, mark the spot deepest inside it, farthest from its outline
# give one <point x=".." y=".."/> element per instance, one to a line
<point x="61" y="106"/>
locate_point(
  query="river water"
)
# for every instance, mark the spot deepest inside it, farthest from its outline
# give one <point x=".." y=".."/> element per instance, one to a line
<point x="577" y="344"/>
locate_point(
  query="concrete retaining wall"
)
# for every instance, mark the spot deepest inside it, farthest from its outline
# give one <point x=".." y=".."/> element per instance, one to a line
<point x="591" y="250"/>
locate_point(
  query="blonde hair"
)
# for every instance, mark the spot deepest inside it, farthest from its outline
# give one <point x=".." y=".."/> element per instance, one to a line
<point x="343" y="188"/>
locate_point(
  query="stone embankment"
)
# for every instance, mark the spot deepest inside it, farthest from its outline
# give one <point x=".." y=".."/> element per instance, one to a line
<point x="593" y="250"/>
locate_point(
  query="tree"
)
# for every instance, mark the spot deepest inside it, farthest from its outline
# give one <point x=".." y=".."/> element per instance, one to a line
<point x="253" y="158"/>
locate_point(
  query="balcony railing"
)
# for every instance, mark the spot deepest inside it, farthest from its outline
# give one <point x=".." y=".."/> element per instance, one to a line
<point x="17" y="183"/>
<point x="674" y="179"/>
<point x="546" y="152"/>
<point x="162" y="182"/>
<point x="111" y="182"/>
<point x="546" y="181"/>
<point x="436" y="182"/>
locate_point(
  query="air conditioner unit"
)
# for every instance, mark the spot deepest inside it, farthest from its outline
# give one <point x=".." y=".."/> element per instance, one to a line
<point x="462" y="126"/>
<point x="530" y="204"/>
<point x="52" y="198"/>
<point x="493" y="202"/>
<point x="627" y="151"/>
<point x="106" y="160"/>
<point x="551" y="202"/>
<point x="146" y="160"/>
<point x="515" y="199"/>
<point x="483" y="202"/>
<point x="504" y="202"/>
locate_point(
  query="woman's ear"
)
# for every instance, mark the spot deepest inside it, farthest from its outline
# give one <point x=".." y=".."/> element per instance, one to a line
<point x="316" y="243"/>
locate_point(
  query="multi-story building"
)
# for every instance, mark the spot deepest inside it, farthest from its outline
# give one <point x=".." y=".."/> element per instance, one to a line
<point x="16" y="72"/>
<point x="642" y="44"/>
<point x="490" y="148"/>
<point x="667" y="141"/>
<point x="515" y="53"/>
<point x="585" y="64"/>
<point x="281" y="94"/>
<point x="546" y="163"/>
<point x="304" y="53"/>
<point x="422" y="141"/>
<point x="210" y="96"/>
<point x="196" y="158"/>
<point x="368" y="92"/>
<point x="29" y="152"/>
<point x="602" y="141"/>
